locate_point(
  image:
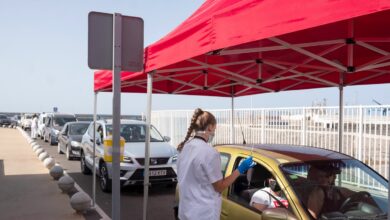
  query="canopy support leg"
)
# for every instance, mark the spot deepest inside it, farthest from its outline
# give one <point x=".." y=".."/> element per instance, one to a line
<point x="147" y="143"/>
<point x="94" y="152"/>
<point x="341" y="111"/>
<point x="232" y="133"/>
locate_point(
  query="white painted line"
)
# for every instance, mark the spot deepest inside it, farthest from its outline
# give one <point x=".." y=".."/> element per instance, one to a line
<point x="97" y="208"/>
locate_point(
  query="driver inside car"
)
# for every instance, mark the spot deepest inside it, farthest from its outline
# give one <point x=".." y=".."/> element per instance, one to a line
<point x="324" y="197"/>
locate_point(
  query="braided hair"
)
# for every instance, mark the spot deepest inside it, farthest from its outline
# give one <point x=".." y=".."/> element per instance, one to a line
<point x="199" y="122"/>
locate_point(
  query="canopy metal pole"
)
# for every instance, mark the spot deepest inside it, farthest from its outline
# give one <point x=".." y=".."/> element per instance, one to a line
<point x="116" y="113"/>
<point x="341" y="111"/>
<point x="147" y="143"/>
<point x="232" y="133"/>
<point x="94" y="152"/>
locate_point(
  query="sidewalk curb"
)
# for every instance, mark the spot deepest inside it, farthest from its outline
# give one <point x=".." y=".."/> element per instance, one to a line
<point x="78" y="188"/>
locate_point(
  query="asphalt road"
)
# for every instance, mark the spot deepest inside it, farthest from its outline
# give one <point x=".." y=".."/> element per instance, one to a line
<point x="160" y="202"/>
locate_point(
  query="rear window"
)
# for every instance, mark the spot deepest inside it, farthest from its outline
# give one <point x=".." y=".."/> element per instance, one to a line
<point x="3" y="117"/>
<point x="60" y="121"/>
<point x="78" y="129"/>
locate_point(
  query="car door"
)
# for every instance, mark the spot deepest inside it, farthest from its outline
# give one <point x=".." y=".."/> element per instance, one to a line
<point x="61" y="137"/>
<point x="47" y="128"/>
<point x="235" y="203"/>
<point x="64" y="137"/>
<point x="88" y="144"/>
<point x="232" y="207"/>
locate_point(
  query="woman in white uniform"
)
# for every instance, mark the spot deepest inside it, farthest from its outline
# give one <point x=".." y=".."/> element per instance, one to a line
<point x="199" y="171"/>
<point x="34" y="127"/>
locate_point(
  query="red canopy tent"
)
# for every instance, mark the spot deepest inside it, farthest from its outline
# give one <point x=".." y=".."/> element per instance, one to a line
<point x="232" y="48"/>
<point x="299" y="45"/>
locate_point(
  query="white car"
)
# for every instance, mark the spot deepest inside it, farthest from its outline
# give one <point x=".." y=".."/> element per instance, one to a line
<point x="163" y="156"/>
<point x="26" y="121"/>
<point x="41" y="124"/>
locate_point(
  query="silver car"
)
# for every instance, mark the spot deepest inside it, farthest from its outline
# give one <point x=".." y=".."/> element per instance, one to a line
<point x="69" y="138"/>
<point x="162" y="155"/>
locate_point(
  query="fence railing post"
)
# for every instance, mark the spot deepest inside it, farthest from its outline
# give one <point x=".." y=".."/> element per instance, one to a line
<point x="361" y="128"/>
<point x="263" y="126"/>
<point x="304" y="127"/>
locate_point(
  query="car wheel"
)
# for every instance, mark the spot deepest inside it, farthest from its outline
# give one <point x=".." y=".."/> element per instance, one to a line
<point x="68" y="154"/>
<point x="84" y="169"/>
<point x="44" y="138"/>
<point x="176" y="212"/>
<point x="59" y="149"/>
<point x="51" y="140"/>
<point x="105" y="181"/>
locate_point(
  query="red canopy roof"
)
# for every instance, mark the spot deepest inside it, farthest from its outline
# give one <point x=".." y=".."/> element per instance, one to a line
<point x="244" y="47"/>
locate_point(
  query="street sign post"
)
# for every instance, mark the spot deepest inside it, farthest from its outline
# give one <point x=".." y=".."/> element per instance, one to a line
<point x="115" y="42"/>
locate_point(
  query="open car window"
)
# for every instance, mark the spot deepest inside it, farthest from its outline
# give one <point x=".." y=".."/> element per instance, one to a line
<point x="246" y="185"/>
<point x="352" y="189"/>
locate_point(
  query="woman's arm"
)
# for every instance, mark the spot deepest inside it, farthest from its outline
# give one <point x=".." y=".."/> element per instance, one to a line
<point x="315" y="202"/>
<point x="222" y="184"/>
<point x="259" y="206"/>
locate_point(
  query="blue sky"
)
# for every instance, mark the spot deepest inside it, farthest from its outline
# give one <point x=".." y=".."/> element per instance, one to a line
<point x="43" y="58"/>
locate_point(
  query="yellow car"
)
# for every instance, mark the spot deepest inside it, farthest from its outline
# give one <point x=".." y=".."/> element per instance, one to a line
<point x="363" y="193"/>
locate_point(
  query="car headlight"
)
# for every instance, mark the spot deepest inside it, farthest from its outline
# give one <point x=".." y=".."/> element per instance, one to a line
<point x="127" y="159"/>
<point x="56" y="131"/>
<point x="75" y="144"/>
<point x="174" y="158"/>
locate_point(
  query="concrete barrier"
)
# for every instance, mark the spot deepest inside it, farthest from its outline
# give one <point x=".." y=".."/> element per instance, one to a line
<point x="49" y="163"/>
<point x="56" y="172"/>
<point x="80" y="202"/>
<point x="66" y="184"/>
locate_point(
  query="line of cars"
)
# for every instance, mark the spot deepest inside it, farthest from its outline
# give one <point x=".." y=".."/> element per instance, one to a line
<point x="75" y="139"/>
<point x="6" y="120"/>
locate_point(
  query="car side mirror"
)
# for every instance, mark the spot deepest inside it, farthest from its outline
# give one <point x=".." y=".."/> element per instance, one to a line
<point x="277" y="214"/>
<point x="166" y="138"/>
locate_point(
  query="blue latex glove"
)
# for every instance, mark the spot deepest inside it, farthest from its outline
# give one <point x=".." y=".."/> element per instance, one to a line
<point x="246" y="164"/>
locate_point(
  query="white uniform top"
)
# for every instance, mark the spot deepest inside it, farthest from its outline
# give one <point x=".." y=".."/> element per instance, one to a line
<point x="264" y="198"/>
<point x="198" y="166"/>
<point x="34" y="122"/>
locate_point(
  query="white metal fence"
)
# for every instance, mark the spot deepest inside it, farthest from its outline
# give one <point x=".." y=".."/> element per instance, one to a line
<point x="366" y="129"/>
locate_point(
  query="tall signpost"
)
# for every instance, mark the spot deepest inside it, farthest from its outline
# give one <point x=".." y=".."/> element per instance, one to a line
<point x="115" y="42"/>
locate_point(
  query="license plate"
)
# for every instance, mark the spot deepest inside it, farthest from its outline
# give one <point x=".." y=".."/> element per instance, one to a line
<point x="157" y="173"/>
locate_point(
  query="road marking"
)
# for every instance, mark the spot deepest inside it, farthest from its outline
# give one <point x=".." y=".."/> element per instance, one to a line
<point x="97" y="207"/>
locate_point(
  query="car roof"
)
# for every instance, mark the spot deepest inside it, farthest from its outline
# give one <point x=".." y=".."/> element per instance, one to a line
<point x="78" y="122"/>
<point x="283" y="153"/>
<point x="123" y="121"/>
<point x="62" y="114"/>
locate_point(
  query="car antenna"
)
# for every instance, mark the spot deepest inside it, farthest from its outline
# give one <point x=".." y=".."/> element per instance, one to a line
<point x="242" y="131"/>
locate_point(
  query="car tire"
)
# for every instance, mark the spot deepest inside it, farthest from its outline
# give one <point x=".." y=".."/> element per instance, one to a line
<point x="68" y="154"/>
<point x="51" y="141"/>
<point x="83" y="164"/>
<point x="176" y="212"/>
<point x="59" y="151"/>
<point x="104" y="180"/>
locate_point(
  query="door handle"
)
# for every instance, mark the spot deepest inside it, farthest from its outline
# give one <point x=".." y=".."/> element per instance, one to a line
<point x="224" y="213"/>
